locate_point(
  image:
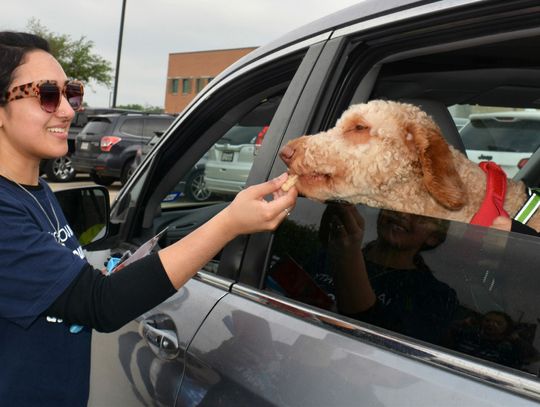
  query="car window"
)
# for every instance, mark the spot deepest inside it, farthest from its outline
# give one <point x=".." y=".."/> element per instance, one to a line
<point x="96" y="126"/>
<point x="230" y="130"/>
<point x="460" y="291"/>
<point x="156" y="127"/>
<point x="223" y="170"/>
<point x="465" y="288"/>
<point x="132" y="126"/>
<point x="500" y="134"/>
<point x="506" y="136"/>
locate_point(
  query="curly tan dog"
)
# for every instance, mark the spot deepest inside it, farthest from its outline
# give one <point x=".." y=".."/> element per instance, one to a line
<point x="392" y="155"/>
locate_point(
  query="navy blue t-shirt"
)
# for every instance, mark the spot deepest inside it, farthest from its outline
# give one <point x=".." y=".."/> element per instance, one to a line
<point x="42" y="363"/>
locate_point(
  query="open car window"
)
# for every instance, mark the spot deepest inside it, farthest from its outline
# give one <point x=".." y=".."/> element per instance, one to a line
<point x="469" y="289"/>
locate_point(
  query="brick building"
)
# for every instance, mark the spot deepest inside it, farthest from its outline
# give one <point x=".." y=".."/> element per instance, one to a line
<point x="189" y="72"/>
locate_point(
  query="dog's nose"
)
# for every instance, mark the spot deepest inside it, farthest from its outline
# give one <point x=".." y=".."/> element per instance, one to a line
<point x="286" y="154"/>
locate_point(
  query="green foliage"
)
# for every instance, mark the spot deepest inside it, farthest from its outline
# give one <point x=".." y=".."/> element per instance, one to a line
<point x="75" y="56"/>
<point x="145" y="108"/>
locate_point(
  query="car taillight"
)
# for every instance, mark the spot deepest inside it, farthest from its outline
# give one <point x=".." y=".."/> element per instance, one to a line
<point x="108" y="141"/>
<point x="259" y="139"/>
<point x="522" y="163"/>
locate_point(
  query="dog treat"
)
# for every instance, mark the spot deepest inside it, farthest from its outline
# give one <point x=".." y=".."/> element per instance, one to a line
<point x="289" y="183"/>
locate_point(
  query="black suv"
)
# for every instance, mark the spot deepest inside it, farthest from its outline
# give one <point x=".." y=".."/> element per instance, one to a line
<point x="61" y="169"/>
<point x="107" y="146"/>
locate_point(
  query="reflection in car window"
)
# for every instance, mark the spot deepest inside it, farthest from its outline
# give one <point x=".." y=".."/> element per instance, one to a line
<point x="466" y="288"/>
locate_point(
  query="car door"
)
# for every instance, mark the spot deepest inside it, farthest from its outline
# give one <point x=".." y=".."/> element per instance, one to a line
<point x="143" y="363"/>
<point x="278" y="337"/>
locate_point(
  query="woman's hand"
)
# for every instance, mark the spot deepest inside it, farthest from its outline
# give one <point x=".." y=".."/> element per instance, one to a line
<point x="250" y="212"/>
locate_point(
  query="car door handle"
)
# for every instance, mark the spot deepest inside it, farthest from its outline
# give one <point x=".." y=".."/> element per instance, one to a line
<point x="160" y="337"/>
<point x="485" y="157"/>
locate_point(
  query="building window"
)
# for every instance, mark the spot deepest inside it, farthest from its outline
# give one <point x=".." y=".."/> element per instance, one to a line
<point x="186" y="86"/>
<point x="199" y="84"/>
<point x="174" y="86"/>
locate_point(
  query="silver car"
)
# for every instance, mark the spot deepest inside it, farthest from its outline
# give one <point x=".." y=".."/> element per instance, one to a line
<point x="264" y="323"/>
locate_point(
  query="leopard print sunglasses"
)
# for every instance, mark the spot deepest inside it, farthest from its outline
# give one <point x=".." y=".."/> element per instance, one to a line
<point x="49" y="94"/>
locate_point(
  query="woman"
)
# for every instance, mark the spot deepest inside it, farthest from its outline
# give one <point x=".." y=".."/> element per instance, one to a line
<point x="45" y="287"/>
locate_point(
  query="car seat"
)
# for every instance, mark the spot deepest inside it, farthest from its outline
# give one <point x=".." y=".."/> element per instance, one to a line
<point x="439" y="112"/>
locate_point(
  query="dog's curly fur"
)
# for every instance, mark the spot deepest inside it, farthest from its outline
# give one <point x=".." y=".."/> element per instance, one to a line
<point x="392" y="155"/>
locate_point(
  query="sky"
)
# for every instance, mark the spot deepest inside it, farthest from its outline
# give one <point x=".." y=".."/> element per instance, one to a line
<point x="155" y="28"/>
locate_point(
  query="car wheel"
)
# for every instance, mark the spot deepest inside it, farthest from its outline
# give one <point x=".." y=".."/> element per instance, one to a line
<point x="195" y="188"/>
<point x="127" y="172"/>
<point x="60" y="169"/>
<point x="102" y="180"/>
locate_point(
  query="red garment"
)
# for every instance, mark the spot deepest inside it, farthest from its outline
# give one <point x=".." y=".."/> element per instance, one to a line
<point x="494" y="198"/>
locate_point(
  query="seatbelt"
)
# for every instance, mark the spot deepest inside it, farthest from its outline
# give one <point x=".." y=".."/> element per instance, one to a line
<point x="530" y="207"/>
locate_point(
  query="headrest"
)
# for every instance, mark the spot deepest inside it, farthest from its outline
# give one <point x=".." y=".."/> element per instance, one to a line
<point x="440" y="114"/>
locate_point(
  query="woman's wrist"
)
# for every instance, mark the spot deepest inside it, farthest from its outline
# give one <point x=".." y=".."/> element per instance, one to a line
<point x="225" y="226"/>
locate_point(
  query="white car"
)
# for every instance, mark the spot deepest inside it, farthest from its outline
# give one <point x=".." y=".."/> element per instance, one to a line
<point x="507" y="138"/>
<point x="231" y="158"/>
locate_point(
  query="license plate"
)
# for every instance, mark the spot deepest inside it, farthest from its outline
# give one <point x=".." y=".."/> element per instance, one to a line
<point x="84" y="145"/>
<point x="227" y="156"/>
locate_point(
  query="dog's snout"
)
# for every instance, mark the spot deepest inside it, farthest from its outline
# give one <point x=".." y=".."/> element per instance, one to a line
<point x="286" y="154"/>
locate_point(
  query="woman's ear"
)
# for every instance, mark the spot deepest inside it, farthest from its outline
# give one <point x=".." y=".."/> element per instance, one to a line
<point x="440" y="176"/>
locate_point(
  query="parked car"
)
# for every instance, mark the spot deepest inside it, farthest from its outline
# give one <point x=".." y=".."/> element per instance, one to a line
<point x="106" y="147"/>
<point x="460" y="122"/>
<point x="61" y="169"/>
<point x="259" y="325"/>
<point x="191" y="188"/>
<point x="507" y="138"/>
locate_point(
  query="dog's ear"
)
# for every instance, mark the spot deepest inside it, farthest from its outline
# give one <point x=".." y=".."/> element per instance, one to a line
<point x="439" y="173"/>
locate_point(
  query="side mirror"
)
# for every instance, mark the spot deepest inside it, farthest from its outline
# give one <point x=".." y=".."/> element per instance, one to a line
<point x="87" y="212"/>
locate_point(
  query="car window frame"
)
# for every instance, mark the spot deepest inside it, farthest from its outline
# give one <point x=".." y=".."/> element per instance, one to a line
<point x="136" y="224"/>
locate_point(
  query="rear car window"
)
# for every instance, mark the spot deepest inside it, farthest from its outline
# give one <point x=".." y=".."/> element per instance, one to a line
<point x="156" y="127"/>
<point x="132" y="126"/>
<point x="241" y="135"/>
<point x="96" y="126"/>
<point x="510" y="135"/>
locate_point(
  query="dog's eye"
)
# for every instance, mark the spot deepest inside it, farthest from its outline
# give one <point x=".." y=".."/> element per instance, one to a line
<point x="360" y="127"/>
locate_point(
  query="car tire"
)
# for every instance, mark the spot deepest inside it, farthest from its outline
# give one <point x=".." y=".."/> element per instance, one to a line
<point x="195" y="189"/>
<point x="102" y="180"/>
<point x="60" y="169"/>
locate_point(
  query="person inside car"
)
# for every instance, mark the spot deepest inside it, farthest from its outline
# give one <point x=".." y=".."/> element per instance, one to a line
<point x="387" y="282"/>
<point x="46" y="285"/>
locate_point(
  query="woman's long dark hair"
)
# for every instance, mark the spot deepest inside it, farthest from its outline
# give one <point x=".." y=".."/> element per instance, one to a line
<point x="13" y="47"/>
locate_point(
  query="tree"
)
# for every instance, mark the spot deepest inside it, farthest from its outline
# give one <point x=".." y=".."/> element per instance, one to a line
<point x="75" y="56"/>
<point x="146" y="108"/>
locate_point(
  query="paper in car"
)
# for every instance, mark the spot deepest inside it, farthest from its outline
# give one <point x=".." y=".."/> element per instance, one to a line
<point x="144" y="250"/>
